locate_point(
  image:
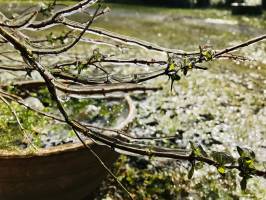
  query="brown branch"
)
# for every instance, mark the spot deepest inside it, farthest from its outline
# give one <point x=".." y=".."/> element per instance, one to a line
<point x="14" y="68"/>
<point x="81" y="90"/>
<point x="124" y="39"/>
<point x="241" y="45"/>
<point x="14" y="113"/>
<point x="66" y="48"/>
<point x="11" y="58"/>
<point x="21" y="24"/>
<point x="70" y="10"/>
<point x="102" y="89"/>
<point x="65" y="36"/>
<point x="49" y="79"/>
<point x="117" y="140"/>
<point x="103" y="164"/>
<point x="111" y="61"/>
<point x="141" y="149"/>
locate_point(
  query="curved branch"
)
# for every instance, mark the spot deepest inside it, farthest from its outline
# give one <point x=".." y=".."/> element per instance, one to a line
<point x="64" y="49"/>
<point x="70" y="10"/>
<point x="241" y="45"/>
<point x="21" y="24"/>
<point x="126" y="40"/>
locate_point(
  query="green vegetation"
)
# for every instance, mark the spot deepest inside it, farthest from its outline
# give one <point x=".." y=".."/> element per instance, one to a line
<point x="150" y="179"/>
<point x="35" y="129"/>
<point x="12" y="137"/>
<point x="220" y="109"/>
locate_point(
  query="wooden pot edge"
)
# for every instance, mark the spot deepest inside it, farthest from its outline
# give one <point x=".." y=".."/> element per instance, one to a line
<point x="65" y="148"/>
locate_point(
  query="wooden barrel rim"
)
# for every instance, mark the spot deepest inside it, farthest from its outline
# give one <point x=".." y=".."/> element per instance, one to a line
<point x="64" y="148"/>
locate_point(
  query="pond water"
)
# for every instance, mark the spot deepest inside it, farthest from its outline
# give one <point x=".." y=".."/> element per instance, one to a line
<point x="220" y="108"/>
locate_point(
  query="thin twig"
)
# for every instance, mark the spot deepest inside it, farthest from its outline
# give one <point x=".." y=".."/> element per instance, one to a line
<point x="66" y="48"/>
<point x="241" y="45"/>
<point x="25" y="135"/>
<point x="21" y="24"/>
<point x="102" y="164"/>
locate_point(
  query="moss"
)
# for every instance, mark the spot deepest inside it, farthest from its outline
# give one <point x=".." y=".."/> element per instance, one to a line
<point x="11" y="135"/>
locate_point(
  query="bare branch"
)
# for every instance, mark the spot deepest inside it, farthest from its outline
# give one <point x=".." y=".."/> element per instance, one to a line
<point x="241" y="45"/>
<point x="74" y="81"/>
<point x="124" y="39"/>
<point x="21" y="24"/>
<point x="25" y="135"/>
<point x="64" y="49"/>
<point x="63" y="12"/>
